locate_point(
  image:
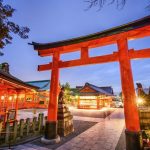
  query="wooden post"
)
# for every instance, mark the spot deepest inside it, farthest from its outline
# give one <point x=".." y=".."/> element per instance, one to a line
<point x="34" y="122"/>
<point x="7" y="137"/>
<point x="7" y="104"/>
<point x="54" y="88"/>
<point x="16" y="106"/>
<point x="78" y="104"/>
<point x="25" y="101"/>
<point x="15" y="125"/>
<point x="51" y="124"/>
<point x="130" y="108"/>
<point x="84" y="53"/>
<point x="40" y="120"/>
<point x="21" y="127"/>
<point x="97" y="99"/>
<point x="28" y="125"/>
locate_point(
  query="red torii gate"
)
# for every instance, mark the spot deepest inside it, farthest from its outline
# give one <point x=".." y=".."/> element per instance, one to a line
<point x="120" y="36"/>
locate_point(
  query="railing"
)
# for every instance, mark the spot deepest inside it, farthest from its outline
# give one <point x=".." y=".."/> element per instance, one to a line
<point x="19" y="131"/>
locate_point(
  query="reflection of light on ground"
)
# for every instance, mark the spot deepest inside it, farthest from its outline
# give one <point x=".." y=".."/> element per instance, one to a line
<point x="92" y="110"/>
<point x="29" y="113"/>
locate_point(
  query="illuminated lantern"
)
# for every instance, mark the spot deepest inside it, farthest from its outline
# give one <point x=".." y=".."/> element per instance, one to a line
<point x="10" y="98"/>
<point x="2" y="97"/>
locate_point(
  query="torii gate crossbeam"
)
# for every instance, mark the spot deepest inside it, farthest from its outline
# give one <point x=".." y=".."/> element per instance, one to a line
<point x="120" y="36"/>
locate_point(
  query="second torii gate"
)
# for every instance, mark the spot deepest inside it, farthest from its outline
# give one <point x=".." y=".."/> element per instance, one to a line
<point x="120" y="36"/>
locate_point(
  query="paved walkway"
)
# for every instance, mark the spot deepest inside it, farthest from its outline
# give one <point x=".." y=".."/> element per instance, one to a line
<point x="102" y="136"/>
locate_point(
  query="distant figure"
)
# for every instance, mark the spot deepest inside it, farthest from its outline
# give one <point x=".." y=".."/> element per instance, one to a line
<point x="61" y="99"/>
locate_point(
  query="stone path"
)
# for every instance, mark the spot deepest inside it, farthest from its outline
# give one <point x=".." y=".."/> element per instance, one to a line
<point x="102" y="136"/>
<point x="88" y="119"/>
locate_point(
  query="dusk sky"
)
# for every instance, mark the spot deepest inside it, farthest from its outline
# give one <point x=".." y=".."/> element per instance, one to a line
<point x="55" y="20"/>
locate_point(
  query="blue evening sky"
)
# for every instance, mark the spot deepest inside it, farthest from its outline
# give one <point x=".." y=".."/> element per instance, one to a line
<point x="54" y="20"/>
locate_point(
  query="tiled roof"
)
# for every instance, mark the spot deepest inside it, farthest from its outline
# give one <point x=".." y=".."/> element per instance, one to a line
<point x="42" y="84"/>
<point x="11" y="78"/>
<point x="109" y="89"/>
<point x="104" y="90"/>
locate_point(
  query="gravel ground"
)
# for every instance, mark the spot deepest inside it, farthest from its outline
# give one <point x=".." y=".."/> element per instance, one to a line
<point x="79" y="127"/>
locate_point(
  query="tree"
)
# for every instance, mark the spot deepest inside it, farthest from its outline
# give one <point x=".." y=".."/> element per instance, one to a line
<point x="7" y="27"/>
<point x="67" y="92"/>
<point x="100" y="3"/>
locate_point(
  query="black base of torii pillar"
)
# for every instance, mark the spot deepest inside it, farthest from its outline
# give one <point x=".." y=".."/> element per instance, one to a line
<point x="51" y="136"/>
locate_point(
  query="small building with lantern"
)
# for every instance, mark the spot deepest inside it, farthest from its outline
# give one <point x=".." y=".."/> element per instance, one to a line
<point x="94" y="97"/>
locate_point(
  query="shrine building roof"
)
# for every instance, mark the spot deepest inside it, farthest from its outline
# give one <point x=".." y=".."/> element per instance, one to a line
<point x="42" y="84"/>
<point x="13" y="80"/>
<point x="107" y="90"/>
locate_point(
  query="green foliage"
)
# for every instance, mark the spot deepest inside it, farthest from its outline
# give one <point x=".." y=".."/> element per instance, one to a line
<point x="7" y="26"/>
<point x="67" y="92"/>
<point x="120" y="94"/>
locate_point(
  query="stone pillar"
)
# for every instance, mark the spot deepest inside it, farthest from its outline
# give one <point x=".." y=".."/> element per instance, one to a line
<point x="133" y="134"/>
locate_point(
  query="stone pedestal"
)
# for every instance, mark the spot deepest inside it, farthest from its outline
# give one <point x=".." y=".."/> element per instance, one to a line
<point x="65" y="120"/>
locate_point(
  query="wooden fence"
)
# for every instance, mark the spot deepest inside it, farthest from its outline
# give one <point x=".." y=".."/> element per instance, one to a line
<point x="21" y="130"/>
<point x="144" y="114"/>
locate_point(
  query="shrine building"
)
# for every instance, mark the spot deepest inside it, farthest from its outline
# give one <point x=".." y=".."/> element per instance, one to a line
<point x="94" y="97"/>
<point x="14" y="94"/>
<point x="43" y="92"/>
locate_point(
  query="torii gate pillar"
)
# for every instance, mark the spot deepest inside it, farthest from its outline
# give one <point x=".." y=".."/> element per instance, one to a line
<point x="51" y="136"/>
<point x="133" y="134"/>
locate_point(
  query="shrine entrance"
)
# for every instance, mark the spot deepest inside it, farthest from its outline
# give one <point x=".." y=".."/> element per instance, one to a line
<point x="120" y="36"/>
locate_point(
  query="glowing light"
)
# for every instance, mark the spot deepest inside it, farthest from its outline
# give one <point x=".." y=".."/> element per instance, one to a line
<point x="2" y="97"/>
<point x="10" y="98"/>
<point x="76" y="96"/>
<point x="139" y="100"/>
<point x="21" y="96"/>
<point x="88" y="97"/>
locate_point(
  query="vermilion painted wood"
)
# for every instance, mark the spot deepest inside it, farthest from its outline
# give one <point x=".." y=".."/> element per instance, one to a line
<point x="80" y="62"/>
<point x="16" y="105"/>
<point x="84" y="53"/>
<point x="123" y="56"/>
<point x="130" y="35"/>
<point x="85" y="60"/>
<point x="139" y="54"/>
<point x="54" y="89"/>
<point x="130" y="108"/>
